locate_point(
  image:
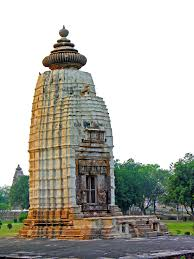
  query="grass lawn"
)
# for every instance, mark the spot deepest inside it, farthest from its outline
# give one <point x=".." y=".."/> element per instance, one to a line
<point x="5" y="232"/>
<point x="174" y="227"/>
<point x="179" y="227"/>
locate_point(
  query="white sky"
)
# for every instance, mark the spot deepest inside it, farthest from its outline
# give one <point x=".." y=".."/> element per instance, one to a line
<point x="141" y="57"/>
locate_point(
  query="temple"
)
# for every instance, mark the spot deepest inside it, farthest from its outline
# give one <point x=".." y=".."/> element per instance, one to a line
<point x="18" y="174"/>
<point x="71" y="157"/>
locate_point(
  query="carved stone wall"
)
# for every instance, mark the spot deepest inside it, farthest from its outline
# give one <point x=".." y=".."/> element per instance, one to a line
<point x="68" y="121"/>
<point x="71" y="159"/>
<point x="100" y="170"/>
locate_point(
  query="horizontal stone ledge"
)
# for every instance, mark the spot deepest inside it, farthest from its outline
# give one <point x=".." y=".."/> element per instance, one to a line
<point x="78" y="90"/>
<point x="51" y="169"/>
<point x="44" y="143"/>
<point x="65" y="110"/>
<point x="68" y="100"/>
<point x="82" y="116"/>
<point x="53" y="147"/>
<point x="71" y="145"/>
<point x="65" y="83"/>
<point x="50" y="119"/>
<point x="64" y="96"/>
<point x="59" y="179"/>
<point x="49" y="158"/>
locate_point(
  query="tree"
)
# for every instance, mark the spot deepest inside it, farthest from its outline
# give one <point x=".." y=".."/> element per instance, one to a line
<point x="138" y="184"/>
<point x="181" y="183"/>
<point x="153" y="185"/>
<point x="126" y="182"/>
<point x="19" y="193"/>
<point x="4" y="197"/>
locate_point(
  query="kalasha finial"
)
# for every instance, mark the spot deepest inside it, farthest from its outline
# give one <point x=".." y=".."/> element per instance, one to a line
<point x="18" y="168"/>
<point x="64" y="55"/>
<point x="63" y="32"/>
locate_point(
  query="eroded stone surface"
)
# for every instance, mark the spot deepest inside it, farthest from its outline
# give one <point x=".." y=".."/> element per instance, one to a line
<point x="70" y="146"/>
<point x="71" y="160"/>
<point x="61" y="127"/>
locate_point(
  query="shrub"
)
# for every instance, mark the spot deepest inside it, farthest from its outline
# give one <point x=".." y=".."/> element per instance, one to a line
<point x="22" y="216"/>
<point x="178" y="232"/>
<point x="15" y="220"/>
<point x="9" y="225"/>
<point x="187" y="233"/>
<point x="1" y="223"/>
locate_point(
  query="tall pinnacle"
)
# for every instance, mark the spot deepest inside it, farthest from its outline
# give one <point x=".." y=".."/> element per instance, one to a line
<point x="64" y="55"/>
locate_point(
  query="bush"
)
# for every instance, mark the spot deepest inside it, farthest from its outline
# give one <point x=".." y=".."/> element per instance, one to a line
<point x="9" y="225"/>
<point x="22" y="216"/>
<point x="178" y="232"/>
<point x="187" y="233"/>
<point x="15" y="220"/>
<point x="1" y="223"/>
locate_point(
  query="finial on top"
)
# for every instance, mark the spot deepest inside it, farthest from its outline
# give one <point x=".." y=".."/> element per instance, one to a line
<point x="63" y="32"/>
<point x="18" y="167"/>
<point x="64" y="55"/>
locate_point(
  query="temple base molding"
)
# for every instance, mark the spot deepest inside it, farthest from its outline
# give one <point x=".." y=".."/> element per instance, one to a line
<point x="64" y="225"/>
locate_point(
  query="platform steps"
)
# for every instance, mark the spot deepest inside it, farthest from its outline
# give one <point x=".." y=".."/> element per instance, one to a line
<point x="145" y="229"/>
<point x="50" y="229"/>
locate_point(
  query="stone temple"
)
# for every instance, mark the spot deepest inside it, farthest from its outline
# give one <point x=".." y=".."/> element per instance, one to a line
<point x="71" y="158"/>
<point x="18" y="174"/>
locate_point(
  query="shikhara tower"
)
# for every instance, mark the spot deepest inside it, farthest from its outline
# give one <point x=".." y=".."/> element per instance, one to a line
<point x="71" y="159"/>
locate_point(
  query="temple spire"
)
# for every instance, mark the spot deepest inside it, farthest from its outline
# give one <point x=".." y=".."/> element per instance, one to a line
<point x="18" y="173"/>
<point x="64" y="55"/>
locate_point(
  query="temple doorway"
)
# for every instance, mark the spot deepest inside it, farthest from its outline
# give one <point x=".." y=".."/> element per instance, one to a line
<point x="93" y="185"/>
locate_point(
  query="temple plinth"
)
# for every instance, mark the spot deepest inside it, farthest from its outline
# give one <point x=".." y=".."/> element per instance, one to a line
<point x="71" y="159"/>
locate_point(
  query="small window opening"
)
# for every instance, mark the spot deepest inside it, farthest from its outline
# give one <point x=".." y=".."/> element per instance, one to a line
<point x="123" y="228"/>
<point x="91" y="189"/>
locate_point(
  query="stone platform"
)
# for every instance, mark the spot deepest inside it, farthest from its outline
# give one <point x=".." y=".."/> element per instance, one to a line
<point x="94" y="227"/>
<point x="159" y="247"/>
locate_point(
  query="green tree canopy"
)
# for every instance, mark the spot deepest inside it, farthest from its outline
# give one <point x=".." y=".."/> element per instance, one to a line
<point x="138" y="184"/>
<point x="4" y="197"/>
<point x="126" y="183"/>
<point x="181" y="183"/>
<point x="19" y="193"/>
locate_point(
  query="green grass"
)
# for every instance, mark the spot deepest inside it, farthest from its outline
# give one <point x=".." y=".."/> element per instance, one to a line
<point x="179" y="227"/>
<point x="174" y="227"/>
<point x="5" y="232"/>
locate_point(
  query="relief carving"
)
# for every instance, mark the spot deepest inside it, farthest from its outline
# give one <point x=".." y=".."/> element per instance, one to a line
<point x="88" y="169"/>
<point x="92" y="167"/>
<point x="102" y="197"/>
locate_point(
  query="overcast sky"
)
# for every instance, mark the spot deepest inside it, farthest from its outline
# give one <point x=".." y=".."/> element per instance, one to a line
<point x="141" y="57"/>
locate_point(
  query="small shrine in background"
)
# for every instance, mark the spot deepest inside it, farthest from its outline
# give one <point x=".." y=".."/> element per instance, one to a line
<point x="18" y="173"/>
